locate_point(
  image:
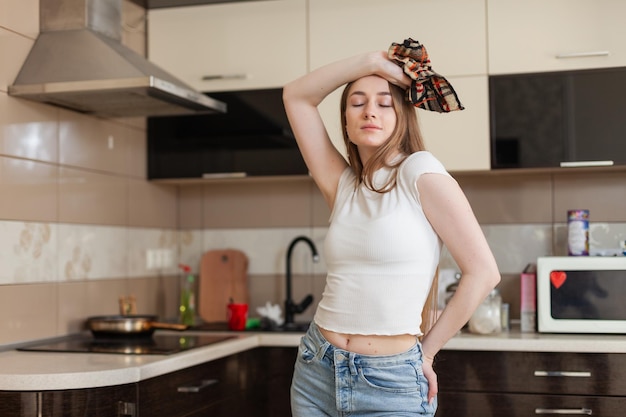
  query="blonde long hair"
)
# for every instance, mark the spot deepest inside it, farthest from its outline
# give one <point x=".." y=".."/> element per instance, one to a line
<point x="431" y="307"/>
<point x="407" y="138"/>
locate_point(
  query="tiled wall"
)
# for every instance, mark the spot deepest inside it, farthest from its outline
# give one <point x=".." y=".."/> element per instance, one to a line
<point x="77" y="215"/>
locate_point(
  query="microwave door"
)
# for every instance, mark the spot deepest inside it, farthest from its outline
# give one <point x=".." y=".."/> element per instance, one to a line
<point x="588" y="301"/>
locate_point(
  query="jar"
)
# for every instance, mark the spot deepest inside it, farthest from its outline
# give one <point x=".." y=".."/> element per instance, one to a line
<point x="487" y="317"/>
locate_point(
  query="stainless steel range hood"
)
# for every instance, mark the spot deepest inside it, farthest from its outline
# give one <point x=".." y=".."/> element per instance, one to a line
<point x="78" y="62"/>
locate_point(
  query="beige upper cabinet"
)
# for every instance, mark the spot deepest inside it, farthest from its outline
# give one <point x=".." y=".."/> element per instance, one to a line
<point x="555" y="35"/>
<point x="454" y="33"/>
<point x="231" y="46"/>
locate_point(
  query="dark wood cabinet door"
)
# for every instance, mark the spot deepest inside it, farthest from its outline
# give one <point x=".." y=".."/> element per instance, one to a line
<point x="191" y="390"/>
<point x="532" y="372"/>
<point x="269" y="373"/>
<point x="114" y="401"/>
<point x="477" y="404"/>
<point x="18" y="404"/>
<point x="93" y="402"/>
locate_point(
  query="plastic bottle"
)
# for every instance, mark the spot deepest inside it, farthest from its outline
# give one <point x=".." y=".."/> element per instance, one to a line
<point x="187" y="309"/>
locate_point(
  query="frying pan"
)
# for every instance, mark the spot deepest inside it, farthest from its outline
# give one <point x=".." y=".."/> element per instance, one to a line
<point x="128" y="325"/>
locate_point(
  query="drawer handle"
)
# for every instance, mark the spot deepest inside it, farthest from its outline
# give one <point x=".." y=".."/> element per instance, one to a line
<point x="224" y="77"/>
<point x="582" y="54"/>
<point x="565" y="411"/>
<point x="198" y="387"/>
<point x="572" y="374"/>
<point x="220" y="175"/>
<point x="579" y="164"/>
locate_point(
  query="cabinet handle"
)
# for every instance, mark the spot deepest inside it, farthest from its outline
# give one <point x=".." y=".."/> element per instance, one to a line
<point x="576" y="164"/>
<point x="218" y="175"/>
<point x="582" y="54"/>
<point x="571" y="374"/>
<point x="565" y="411"/>
<point x="198" y="387"/>
<point x="224" y="77"/>
<point x="125" y="409"/>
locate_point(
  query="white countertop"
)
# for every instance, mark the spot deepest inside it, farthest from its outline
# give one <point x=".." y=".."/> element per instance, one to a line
<point x="33" y="371"/>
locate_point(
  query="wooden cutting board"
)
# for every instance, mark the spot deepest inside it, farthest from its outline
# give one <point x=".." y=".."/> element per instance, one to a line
<point x="223" y="276"/>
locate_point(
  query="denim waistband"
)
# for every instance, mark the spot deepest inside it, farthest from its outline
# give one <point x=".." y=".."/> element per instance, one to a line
<point x="328" y="350"/>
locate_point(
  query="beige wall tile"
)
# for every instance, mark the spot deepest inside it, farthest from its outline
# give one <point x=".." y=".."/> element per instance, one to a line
<point x="602" y="193"/>
<point x="92" y="198"/>
<point x="257" y="204"/>
<point x="103" y="296"/>
<point x="27" y="312"/>
<point x="321" y="211"/>
<point x="509" y="199"/>
<point x="92" y="143"/>
<point x="28" y="129"/>
<point x="190" y="207"/>
<point x="138" y="156"/>
<point x="73" y="307"/>
<point x="156" y="295"/>
<point x="21" y="16"/>
<point x="28" y="252"/>
<point x="28" y="190"/>
<point x="16" y="47"/>
<point x="151" y="205"/>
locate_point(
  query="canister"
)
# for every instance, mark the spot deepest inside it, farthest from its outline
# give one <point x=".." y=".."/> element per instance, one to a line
<point x="486" y="318"/>
<point x="578" y="232"/>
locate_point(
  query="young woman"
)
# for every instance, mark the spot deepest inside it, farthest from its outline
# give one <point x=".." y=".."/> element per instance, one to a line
<point x="393" y="205"/>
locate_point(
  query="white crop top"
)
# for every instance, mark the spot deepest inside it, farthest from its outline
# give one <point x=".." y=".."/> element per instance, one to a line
<point x="381" y="254"/>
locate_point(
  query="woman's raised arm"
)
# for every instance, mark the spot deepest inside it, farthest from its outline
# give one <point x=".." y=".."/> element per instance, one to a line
<point x="301" y="98"/>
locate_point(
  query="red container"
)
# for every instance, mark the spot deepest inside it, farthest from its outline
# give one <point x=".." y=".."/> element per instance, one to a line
<point x="237" y="316"/>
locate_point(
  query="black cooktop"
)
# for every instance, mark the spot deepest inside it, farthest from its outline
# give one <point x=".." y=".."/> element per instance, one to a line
<point x="150" y="345"/>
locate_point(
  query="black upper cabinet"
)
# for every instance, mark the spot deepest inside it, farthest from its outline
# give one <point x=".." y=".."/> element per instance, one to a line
<point x="253" y="138"/>
<point x="546" y="119"/>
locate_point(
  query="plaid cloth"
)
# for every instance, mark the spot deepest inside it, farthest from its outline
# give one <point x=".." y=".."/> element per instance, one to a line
<point x="429" y="90"/>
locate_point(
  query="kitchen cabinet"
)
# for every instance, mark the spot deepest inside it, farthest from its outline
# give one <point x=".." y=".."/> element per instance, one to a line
<point x="549" y="119"/>
<point x="192" y="390"/>
<point x="251" y="383"/>
<point x="536" y="35"/>
<point x="113" y="401"/>
<point x="340" y="29"/>
<point x="231" y="46"/>
<point x="500" y="383"/>
<point x="268" y="381"/>
<point x="252" y="139"/>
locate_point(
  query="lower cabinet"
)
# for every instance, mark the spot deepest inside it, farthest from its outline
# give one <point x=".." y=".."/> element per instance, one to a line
<point x="482" y="383"/>
<point x="254" y="383"/>
<point x="190" y="391"/>
<point x="114" y="401"/>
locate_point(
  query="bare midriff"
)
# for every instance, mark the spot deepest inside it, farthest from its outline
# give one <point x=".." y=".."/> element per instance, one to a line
<point x="370" y="344"/>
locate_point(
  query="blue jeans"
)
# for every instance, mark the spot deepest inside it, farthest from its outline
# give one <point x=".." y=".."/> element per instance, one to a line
<point x="329" y="381"/>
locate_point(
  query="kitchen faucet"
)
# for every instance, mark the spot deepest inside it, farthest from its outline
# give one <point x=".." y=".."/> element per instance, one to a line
<point x="290" y="307"/>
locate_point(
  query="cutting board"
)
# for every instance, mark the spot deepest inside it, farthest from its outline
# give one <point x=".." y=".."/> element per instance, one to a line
<point x="223" y="276"/>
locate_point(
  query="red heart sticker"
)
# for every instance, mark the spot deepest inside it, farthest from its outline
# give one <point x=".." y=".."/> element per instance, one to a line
<point x="557" y="278"/>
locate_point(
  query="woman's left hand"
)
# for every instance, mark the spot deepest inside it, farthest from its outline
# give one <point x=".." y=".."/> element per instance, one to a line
<point x="431" y="377"/>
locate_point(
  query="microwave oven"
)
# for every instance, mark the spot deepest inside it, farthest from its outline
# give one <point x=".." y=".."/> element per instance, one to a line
<point x="581" y="294"/>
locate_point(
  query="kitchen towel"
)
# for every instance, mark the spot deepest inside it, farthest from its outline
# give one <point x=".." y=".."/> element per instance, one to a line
<point x="429" y="90"/>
